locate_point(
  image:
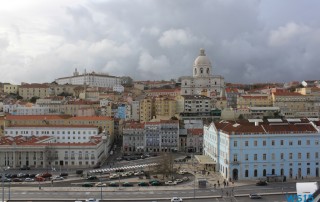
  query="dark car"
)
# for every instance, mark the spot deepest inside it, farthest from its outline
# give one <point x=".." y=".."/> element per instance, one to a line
<point x="127" y="184"/>
<point x="32" y="175"/>
<point x="92" y="178"/>
<point x="155" y="183"/>
<point x="17" y="180"/>
<point x="262" y="183"/>
<point x="143" y="184"/>
<point x="63" y="174"/>
<point x="113" y="184"/>
<point x="87" y="185"/>
<point x="25" y="168"/>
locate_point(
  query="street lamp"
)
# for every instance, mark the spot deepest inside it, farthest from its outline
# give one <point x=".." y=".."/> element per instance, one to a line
<point x="3" y="169"/>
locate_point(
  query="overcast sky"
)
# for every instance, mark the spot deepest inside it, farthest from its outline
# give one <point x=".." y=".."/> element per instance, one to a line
<point x="247" y="41"/>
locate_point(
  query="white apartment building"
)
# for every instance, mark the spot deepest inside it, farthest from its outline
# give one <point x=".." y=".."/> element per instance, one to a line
<point x="160" y="136"/>
<point x="193" y="105"/>
<point x="61" y="133"/>
<point x="118" y="88"/>
<point x="135" y="110"/>
<point x="90" y="79"/>
<point x="256" y="148"/>
<point x="45" y="152"/>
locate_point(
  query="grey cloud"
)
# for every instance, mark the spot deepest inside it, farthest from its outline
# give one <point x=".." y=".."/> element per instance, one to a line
<point x="159" y="39"/>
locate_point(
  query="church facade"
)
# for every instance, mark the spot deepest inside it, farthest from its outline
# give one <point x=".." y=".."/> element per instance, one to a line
<point x="203" y="82"/>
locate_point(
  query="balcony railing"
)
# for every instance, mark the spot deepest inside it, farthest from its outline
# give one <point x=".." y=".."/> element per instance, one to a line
<point x="235" y="162"/>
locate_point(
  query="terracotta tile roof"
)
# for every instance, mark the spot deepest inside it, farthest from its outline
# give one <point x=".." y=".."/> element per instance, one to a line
<point x="38" y="141"/>
<point x="287" y="94"/>
<point x="244" y="127"/>
<point x="51" y="126"/>
<point x="254" y="97"/>
<point x="57" y="117"/>
<point x="195" y="131"/>
<point x="34" y="85"/>
<point x="134" y="125"/>
<point x="163" y="90"/>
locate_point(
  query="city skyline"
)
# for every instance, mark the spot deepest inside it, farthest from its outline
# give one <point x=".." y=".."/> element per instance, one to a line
<point x="248" y="41"/>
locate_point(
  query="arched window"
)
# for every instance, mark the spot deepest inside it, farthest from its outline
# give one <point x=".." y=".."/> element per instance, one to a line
<point x="247" y="173"/>
<point x="264" y="172"/>
<point x="195" y="71"/>
<point x="255" y="173"/>
<point x="201" y="70"/>
<point x="207" y="70"/>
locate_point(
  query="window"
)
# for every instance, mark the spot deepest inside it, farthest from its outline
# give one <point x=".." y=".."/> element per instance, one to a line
<point x="246" y="143"/>
<point x="281" y="142"/>
<point x="264" y="143"/>
<point x="299" y="142"/>
<point x="247" y="157"/>
<point x="272" y="156"/>
<point x="308" y="142"/>
<point x="272" y="142"/>
<point x="255" y="157"/>
<point x="255" y="173"/>
<point x="290" y="142"/>
<point x="316" y="142"/>
<point x="235" y="157"/>
<point x="316" y="155"/>
<point x="247" y="173"/>
<point x="281" y="156"/>
<point x="255" y="143"/>
<point x="235" y="143"/>
<point x="308" y="155"/>
<point x="290" y="155"/>
<point x="299" y="155"/>
<point x="264" y="157"/>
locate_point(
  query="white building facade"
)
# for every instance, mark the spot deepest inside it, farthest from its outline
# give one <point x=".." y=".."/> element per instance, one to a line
<point x="90" y="79"/>
<point x="202" y="82"/>
<point x="62" y="134"/>
<point x="262" y="149"/>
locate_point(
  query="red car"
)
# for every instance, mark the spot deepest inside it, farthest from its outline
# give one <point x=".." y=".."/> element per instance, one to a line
<point x="46" y="175"/>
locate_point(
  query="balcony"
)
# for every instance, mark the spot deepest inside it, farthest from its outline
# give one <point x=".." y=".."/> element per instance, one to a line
<point x="235" y="162"/>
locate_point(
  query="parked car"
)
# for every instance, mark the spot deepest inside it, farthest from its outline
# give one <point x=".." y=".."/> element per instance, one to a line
<point x="32" y="175"/>
<point x="113" y="184"/>
<point x="170" y="183"/>
<point x="127" y="184"/>
<point x="7" y="180"/>
<point x="17" y="180"/>
<point x="255" y="196"/>
<point x="100" y="184"/>
<point x="29" y="180"/>
<point x="46" y="175"/>
<point x="92" y="200"/>
<point x="262" y="183"/>
<point x="87" y="185"/>
<point x="22" y="175"/>
<point x="185" y="178"/>
<point x="24" y="167"/>
<point x="143" y="184"/>
<point x="155" y="183"/>
<point x="176" y="199"/>
<point x="63" y="174"/>
<point x="92" y="178"/>
<point x="119" y="158"/>
<point x="178" y="181"/>
<point x="57" y="178"/>
<point x="138" y="173"/>
<point x="114" y="176"/>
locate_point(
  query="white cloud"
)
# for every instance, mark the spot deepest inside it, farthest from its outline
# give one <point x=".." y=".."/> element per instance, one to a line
<point x="152" y="65"/>
<point x="175" y="37"/>
<point x="284" y="34"/>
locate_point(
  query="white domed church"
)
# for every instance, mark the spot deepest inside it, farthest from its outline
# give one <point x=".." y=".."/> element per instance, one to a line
<point x="202" y="82"/>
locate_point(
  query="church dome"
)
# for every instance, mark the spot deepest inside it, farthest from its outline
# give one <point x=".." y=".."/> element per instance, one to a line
<point x="202" y="65"/>
<point x="202" y="59"/>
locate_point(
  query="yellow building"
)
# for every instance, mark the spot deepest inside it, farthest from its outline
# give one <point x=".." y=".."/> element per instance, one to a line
<point x="146" y="109"/>
<point x="102" y="122"/>
<point x="27" y="91"/>
<point x="254" y="100"/>
<point x="165" y="107"/>
<point x="293" y="104"/>
<point x="9" y="88"/>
